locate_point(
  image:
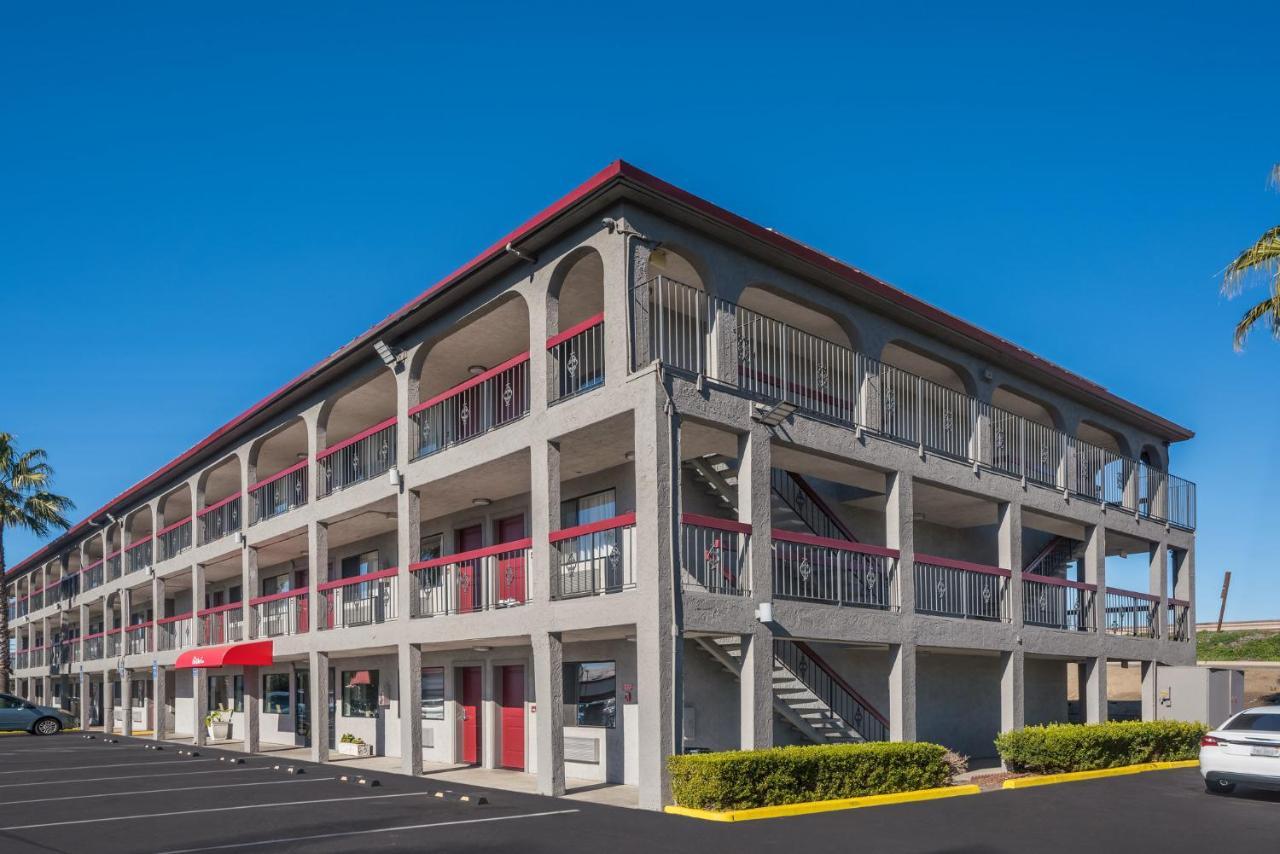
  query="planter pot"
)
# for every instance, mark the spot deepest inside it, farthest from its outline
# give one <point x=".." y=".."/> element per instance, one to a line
<point x="220" y="730"/>
<point x="361" y="750"/>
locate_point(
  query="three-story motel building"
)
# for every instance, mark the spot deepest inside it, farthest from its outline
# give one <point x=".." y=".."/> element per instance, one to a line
<point x="642" y="477"/>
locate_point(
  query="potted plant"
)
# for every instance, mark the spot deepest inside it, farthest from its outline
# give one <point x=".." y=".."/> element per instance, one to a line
<point x="352" y="745"/>
<point x="218" y="722"/>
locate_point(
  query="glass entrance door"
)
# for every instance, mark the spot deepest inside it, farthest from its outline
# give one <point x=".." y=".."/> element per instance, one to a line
<point x="301" y="700"/>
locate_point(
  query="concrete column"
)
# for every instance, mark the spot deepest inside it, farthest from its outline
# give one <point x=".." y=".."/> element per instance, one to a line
<point x="86" y="707"/>
<point x="317" y="574"/>
<point x="410" y="662"/>
<point x="899" y="530"/>
<point x="755" y="469"/>
<point x="108" y="702"/>
<point x="319" y="700"/>
<point x="1012" y="690"/>
<point x="1093" y="689"/>
<point x="1095" y="573"/>
<point x="126" y="703"/>
<point x="199" y="705"/>
<point x="902" y="693"/>
<point x="157" y="612"/>
<point x="548" y="691"/>
<point x="1158" y="585"/>
<point x="488" y="715"/>
<point x="197" y="601"/>
<point x="1150" y="697"/>
<point x="84" y="630"/>
<point x="252" y="707"/>
<point x="248" y="590"/>
<point x="1009" y="535"/>
<point x="408" y="539"/>
<point x="544" y="516"/>
<point x="755" y="690"/>
<point x="159" y="685"/>
<point x="617" y="307"/>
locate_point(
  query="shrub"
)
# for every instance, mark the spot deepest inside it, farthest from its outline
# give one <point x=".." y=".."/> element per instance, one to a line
<point x="1057" y="748"/>
<point x="787" y="775"/>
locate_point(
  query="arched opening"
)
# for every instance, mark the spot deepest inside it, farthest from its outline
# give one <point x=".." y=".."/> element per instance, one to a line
<point x="358" y="433"/>
<point x="575" y="316"/>
<point x="1030" y="433"/>
<point x="924" y="400"/>
<point x="1098" y="466"/>
<point x="670" y="314"/>
<point x="114" y="561"/>
<point x="94" y="552"/>
<point x="174" y="515"/>
<point x="278" y="472"/>
<point x="140" y="551"/>
<point x="218" y="497"/>
<point x="475" y="379"/>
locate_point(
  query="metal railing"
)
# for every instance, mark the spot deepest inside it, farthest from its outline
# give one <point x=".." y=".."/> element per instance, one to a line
<point x="714" y="554"/>
<point x="22" y="659"/>
<point x="485" y="402"/>
<point x="576" y="358"/>
<point x="220" y="519"/>
<point x="221" y="624"/>
<point x="138" y="638"/>
<point x="955" y="588"/>
<point x="114" y="642"/>
<point x="93" y="646"/>
<point x="176" y="632"/>
<point x="820" y="569"/>
<point x="1056" y="603"/>
<point x="359" y="601"/>
<point x="847" y="704"/>
<point x="278" y="494"/>
<point x="803" y="500"/>
<point x="365" y="455"/>
<point x="114" y="564"/>
<point x="1178" y="620"/>
<point x="284" y="613"/>
<point x="496" y="576"/>
<point x="1131" y="613"/>
<point x="174" y="539"/>
<point x="594" y="558"/>
<point x="691" y="331"/>
<point x="138" y="555"/>
<point x="92" y="575"/>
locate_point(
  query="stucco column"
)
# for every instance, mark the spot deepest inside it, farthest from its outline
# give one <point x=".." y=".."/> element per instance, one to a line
<point x="1009" y="535"/>
<point x="755" y="470"/>
<point x="197" y="602"/>
<point x="1012" y="690"/>
<point x="157" y="612"/>
<point x="319" y="700"/>
<point x="408" y="539"/>
<point x="755" y="690"/>
<point x="84" y="630"/>
<point x="902" y="692"/>
<point x="159" y="685"/>
<point x="108" y="702"/>
<point x="126" y="703"/>
<point x="1092" y="683"/>
<point x="1092" y="680"/>
<point x="899" y="532"/>
<point x="617" y="307"/>
<point x="410" y="664"/>
<point x="248" y="590"/>
<point x="85" y="712"/>
<point x="252" y="707"/>
<point x="1158" y="585"/>
<point x="548" y="691"/>
<point x="199" y="705"/>
<point x="544" y="517"/>
<point x="488" y="715"/>
<point x="1150" y="697"/>
<point x="317" y="574"/>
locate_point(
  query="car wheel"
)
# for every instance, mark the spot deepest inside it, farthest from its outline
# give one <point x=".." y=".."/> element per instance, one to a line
<point x="1219" y="787"/>
<point x="46" y="726"/>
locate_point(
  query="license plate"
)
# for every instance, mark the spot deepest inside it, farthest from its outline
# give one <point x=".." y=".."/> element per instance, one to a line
<point x="1264" y="751"/>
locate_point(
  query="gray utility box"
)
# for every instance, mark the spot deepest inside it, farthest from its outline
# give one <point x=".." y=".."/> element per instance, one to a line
<point x="1209" y="695"/>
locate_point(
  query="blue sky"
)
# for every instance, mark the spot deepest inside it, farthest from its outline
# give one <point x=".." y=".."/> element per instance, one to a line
<point x="195" y="208"/>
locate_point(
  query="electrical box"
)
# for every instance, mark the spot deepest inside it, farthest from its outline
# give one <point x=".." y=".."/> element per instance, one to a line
<point x="1208" y="695"/>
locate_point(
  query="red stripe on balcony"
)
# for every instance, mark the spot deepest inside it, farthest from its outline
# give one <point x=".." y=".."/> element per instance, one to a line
<point x="474" y="381"/>
<point x="623" y="521"/>
<point x="474" y="554"/>
<point x="830" y="543"/>
<point x="576" y="329"/>
<point x="273" y="597"/>
<point x="381" y="425"/>
<point x="175" y="618"/>
<point x="1182" y="602"/>
<point x="290" y="470"/>
<point x="370" y="576"/>
<point x="962" y="564"/>
<point x="173" y="527"/>
<point x="221" y="503"/>
<point x="1147" y="596"/>
<point x="1058" y="582"/>
<point x="141" y="542"/>
<point x="218" y="609"/>
<point x="715" y="522"/>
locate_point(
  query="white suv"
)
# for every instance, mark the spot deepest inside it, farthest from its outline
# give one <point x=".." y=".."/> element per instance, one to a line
<point x="1245" y="749"/>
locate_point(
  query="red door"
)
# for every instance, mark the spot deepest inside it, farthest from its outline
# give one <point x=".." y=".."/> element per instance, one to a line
<point x="513" y="717"/>
<point x="469" y="576"/>
<point x="511" y="566"/>
<point x="471" y="715"/>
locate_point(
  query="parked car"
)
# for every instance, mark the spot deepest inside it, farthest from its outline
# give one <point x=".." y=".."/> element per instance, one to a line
<point x="19" y="714"/>
<point x="1245" y="750"/>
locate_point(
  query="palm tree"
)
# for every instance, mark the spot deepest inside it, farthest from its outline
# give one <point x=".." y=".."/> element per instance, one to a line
<point x="1259" y="261"/>
<point x="25" y="503"/>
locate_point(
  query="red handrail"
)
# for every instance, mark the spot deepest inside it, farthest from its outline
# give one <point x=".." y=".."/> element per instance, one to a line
<point x="962" y="564"/>
<point x="1182" y="602"/>
<point x="715" y="522"/>
<point x="290" y="470"/>
<point x="836" y="678"/>
<point x="141" y="542"/>
<point x="1147" y="596"/>
<point x="474" y="381"/>
<point x="1027" y="575"/>
<point x="364" y="434"/>
<point x="358" y="579"/>
<point x="819" y="502"/>
<point x="173" y="527"/>
<point x="175" y="618"/>
<point x="218" y="504"/>
<point x="830" y="543"/>
<point x="283" y="594"/>
<point x="622" y="521"/>
<point x="576" y="329"/>
<point x="218" y="609"/>
<point x="474" y="554"/>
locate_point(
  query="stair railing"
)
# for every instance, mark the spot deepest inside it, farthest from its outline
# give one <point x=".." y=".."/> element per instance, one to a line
<point x="839" y="696"/>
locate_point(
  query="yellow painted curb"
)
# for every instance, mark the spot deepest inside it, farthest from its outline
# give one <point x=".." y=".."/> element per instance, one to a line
<point x="809" y="807"/>
<point x="1124" y="770"/>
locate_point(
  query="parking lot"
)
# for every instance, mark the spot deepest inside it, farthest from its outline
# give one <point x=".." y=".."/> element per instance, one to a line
<point x="71" y="794"/>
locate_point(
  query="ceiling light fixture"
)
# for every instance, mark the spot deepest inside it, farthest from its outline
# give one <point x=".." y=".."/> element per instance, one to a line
<point x="481" y="502"/>
<point x="476" y="370"/>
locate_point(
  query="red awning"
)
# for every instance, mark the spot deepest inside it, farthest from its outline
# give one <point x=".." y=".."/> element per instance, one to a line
<point x="251" y="654"/>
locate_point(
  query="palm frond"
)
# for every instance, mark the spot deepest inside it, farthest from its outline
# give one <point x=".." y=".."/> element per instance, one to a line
<point x="1262" y="258"/>
<point x="26" y="500"/>
<point x="1268" y="308"/>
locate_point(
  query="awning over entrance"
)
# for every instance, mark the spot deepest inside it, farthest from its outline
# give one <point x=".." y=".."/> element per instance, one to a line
<point x="250" y="654"/>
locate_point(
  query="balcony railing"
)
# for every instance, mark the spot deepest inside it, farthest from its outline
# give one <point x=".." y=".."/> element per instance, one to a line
<point x="765" y="358"/>
<point x="138" y="555"/>
<point x="594" y="558"/>
<point x="359" y="601"/>
<point x="820" y="569"/>
<point x="283" y="613"/>
<point x="1056" y="603"/>
<point x="115" y="564"/>
<point x="219" y="519"/>
<point x="176" y="632"/>
<point x="577" y="358"/>
<point x="22" y="659"/>
<point x="492" y="577"/>
<point x="956" y="588"/>
<point x="36" y="599"/>
<point x="278" y="494"/>
<point x="365" y="455"/>
<point x="714" y="554"/>
<point x="92" y="575"/>
<point x="114" y="642"/>
<point x="1179" y="615"/>
<point x="221" y="624"/>
<point x="138" y="638"/>
<point x="832" y="689"/>
<point x="174" y="539"/>
<point x="1131" y="613"/>
<point x="93" y="646"/>
<point x="485" y="402"/>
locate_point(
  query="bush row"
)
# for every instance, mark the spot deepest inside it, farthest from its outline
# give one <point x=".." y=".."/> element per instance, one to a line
<point x="1057" y="748"/>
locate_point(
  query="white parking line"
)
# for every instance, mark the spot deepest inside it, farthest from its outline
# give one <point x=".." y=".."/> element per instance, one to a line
<point x="114" y="765"/>
<point x="213" y="809"/>
<point x="231" y="770"/>
<point x="167" y="791"/>
<point x="286" y="839"/>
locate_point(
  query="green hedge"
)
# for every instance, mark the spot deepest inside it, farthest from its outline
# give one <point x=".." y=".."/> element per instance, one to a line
<point x="788" y="775"/>
<point x="1058" y="748"/>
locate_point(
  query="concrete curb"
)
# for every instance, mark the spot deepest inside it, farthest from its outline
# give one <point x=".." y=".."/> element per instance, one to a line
<point x="785" y="810"/>
<point x="1124" y="770"/>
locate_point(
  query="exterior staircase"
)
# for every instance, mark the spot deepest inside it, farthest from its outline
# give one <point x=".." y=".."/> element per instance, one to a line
<point x="1054" y="558"/>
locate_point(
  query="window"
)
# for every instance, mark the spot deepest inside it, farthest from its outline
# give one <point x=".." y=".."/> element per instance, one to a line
<point x="361" y="564"/>
<point x="433" y="693"/>
<point x="590" y="687"/>
<point x="7" y="702"/>
<point x="431" y="547"/>
<point x="588" y="508"/>
<point x="360" y="693"/>
<point x="275" y="584"/>
<point x="218" y="696"/>
<point x="1260" y="722"/>
<point x="275" y="693"/>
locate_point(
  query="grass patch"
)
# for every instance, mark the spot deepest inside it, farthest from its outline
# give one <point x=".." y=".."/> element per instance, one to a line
<point x="1238" y="646"/>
